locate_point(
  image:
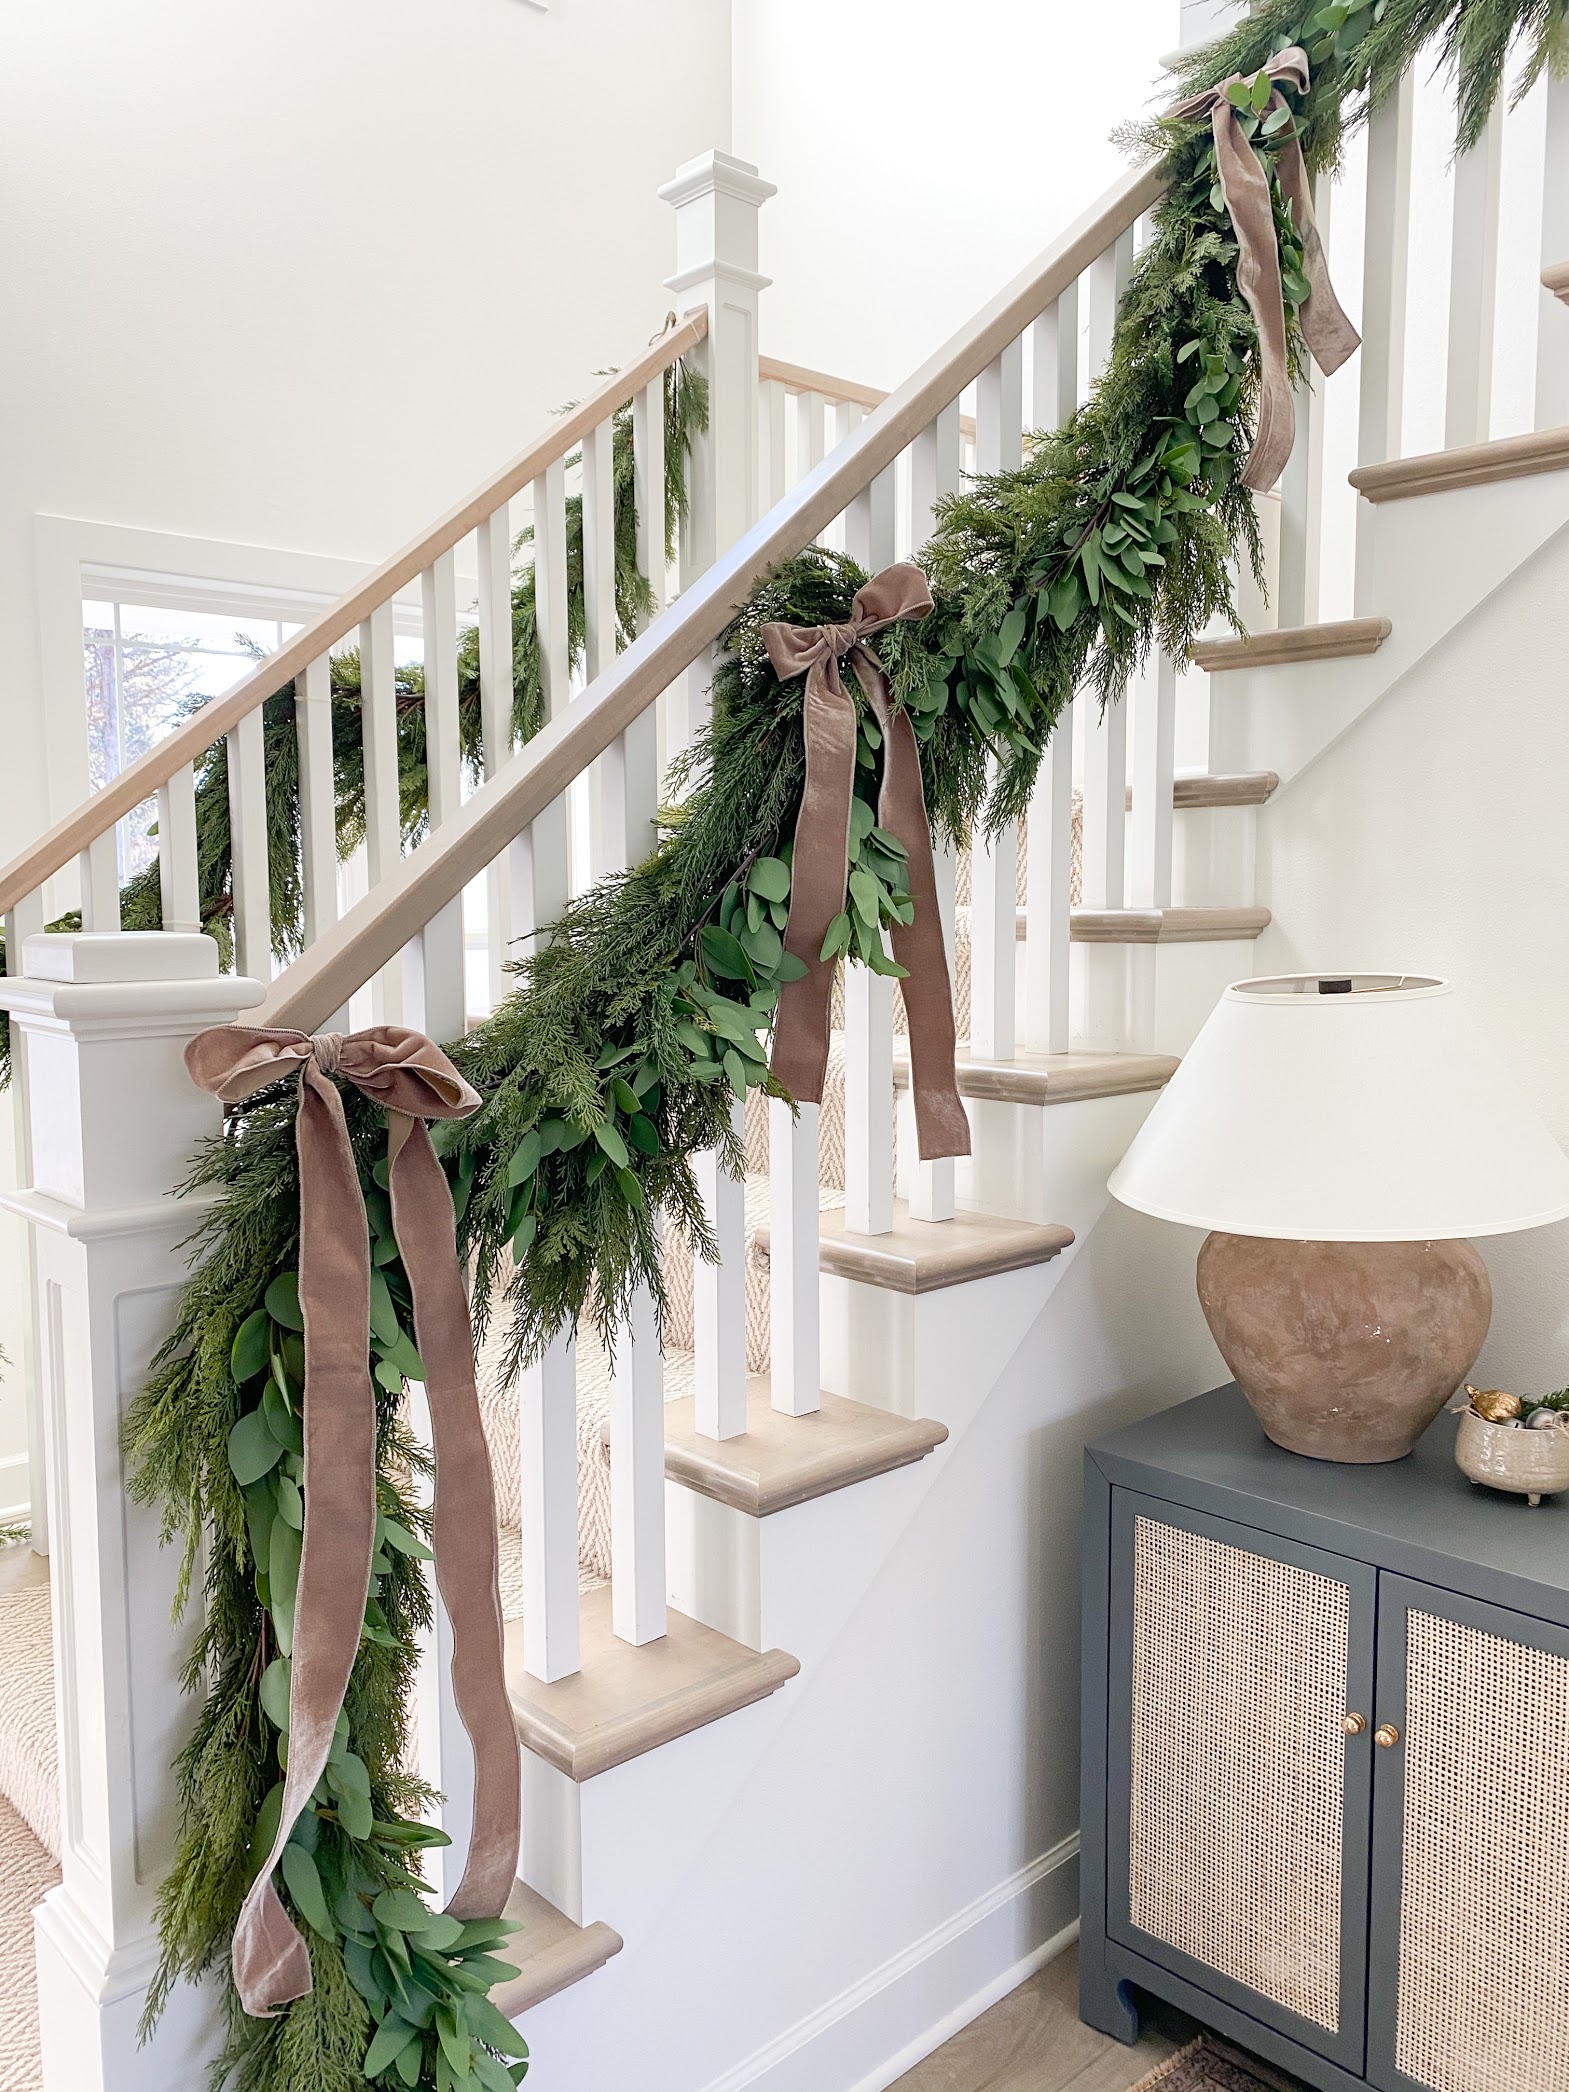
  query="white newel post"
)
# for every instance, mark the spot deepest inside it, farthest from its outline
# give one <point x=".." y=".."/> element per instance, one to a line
<point x="716" y="199"/>
<point x="114" y="1120"/>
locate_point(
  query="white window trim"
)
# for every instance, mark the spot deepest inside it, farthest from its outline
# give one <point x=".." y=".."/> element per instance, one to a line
<point x="76" y="561"/>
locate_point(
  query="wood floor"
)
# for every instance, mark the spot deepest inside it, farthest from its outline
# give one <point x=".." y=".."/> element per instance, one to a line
<point x="1034" y="2041"/>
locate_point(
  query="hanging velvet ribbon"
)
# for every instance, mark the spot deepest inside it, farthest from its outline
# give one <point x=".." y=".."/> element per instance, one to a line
<point x="1245" y="185"/>
<point x="821" y="856"/>
<point x="413" y="1081"/>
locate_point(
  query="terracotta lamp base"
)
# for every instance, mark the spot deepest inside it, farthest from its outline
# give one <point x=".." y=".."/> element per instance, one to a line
<point x="1346" y="1350"/>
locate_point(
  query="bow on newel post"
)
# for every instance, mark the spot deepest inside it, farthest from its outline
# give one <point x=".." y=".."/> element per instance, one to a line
<point x="821" y="858"/>
<point x="412" y="1080"/>
<point x="1244" y="183"/>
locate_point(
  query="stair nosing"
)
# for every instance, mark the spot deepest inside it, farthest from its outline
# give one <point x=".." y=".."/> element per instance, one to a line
<point x="1017" y="1245"/>
<point x="585" y="1745"/>
<point x="712" y="1466"/>
<point x="1336" y="639"/>
<point x="1470" y="465"/>
<point x="1046" y="1079"/>
<point x="579" y="1952"/>
<point x="1163" y="925"/>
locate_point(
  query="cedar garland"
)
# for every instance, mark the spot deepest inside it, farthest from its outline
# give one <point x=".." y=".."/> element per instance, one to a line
<point x="615" y="1059"/>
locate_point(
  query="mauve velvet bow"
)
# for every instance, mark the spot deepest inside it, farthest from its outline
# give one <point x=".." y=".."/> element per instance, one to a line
<point x="822" y="843"/>
<point x="412" y="1080"/>
<point x="1245" y="186"/>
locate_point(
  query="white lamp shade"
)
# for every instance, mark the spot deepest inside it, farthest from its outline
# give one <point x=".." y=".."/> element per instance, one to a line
<point x="1372" y="1113"/>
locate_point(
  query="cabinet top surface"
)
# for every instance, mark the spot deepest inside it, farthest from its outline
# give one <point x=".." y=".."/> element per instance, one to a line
<point x="1394" y="1512"/>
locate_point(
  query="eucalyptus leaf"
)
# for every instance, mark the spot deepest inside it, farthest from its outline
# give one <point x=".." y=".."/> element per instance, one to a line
<point x="769" y="878"/>
<point x="253" y="1450"/>
<point x="248" y="1353"/>
<point x="283" y="1300"/>
<point x="299" y="1871"/>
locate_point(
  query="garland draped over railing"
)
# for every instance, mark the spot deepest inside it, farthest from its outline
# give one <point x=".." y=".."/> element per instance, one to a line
<point x="616" y="1058"/>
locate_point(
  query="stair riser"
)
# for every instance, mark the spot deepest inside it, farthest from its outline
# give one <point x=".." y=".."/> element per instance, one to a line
<point x="1150" y="998"/>
<point x="1435" y="559"/>
<point x="1040" y="1163"/>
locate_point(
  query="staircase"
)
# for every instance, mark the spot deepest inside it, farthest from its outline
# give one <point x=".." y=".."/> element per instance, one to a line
<point x="790" y="1607"/>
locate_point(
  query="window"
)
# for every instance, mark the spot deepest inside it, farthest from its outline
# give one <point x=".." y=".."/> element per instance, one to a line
<point x="146" y="664"/>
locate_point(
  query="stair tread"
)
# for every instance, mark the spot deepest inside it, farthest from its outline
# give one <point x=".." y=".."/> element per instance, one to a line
<point x="923" y="1256"/>
<point x="627" y="1700"/>
<point x="1165" y="925"/>
<point x="550" y="1953"/>
<point x="1049" y="1078"/>
<point x="1222" y="788"/>
<point x="1469" y="465"/>
<point x="783" y="1460"/>
<point x="1333" y="640"/>
<point x="1555" y="278"/>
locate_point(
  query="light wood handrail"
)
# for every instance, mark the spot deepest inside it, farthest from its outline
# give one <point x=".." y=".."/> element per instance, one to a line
<point x="795" y="377"/>
<point x="378" y="927"/>
<point x="62" y="843"/>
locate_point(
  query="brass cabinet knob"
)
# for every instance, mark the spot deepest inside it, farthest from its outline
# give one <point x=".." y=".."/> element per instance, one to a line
<point x="1386" y="1735"/>
<point x="1353" y="1724"/>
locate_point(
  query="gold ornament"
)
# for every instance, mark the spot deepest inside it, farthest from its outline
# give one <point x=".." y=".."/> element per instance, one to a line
<point x="1494" y="1404"/>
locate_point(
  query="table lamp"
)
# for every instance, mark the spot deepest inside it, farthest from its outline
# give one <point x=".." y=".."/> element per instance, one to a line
<point x="1341" y="1135"/>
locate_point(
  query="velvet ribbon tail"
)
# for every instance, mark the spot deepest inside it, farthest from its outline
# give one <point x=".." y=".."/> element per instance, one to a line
<point x="413" y="1081"/>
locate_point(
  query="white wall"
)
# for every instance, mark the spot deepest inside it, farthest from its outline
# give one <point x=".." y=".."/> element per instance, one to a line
<point x="1431" y="837"/>
<point x="925" y="152"/>
<point x="295" y="275"/>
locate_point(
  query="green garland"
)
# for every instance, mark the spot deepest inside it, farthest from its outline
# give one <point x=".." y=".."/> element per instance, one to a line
<point x="618" y="1055"/>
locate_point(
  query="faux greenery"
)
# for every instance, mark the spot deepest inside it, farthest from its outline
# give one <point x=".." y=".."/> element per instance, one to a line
<point x="629" y="1035"/>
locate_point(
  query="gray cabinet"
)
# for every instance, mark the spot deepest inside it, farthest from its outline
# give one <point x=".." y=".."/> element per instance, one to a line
<point x="1326" y="1757"/>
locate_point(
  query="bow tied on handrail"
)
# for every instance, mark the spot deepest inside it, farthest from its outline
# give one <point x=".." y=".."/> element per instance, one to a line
<point x="413" y="1081"/>
<point x="821" y="858"/>
<point x="1244" y="183"/>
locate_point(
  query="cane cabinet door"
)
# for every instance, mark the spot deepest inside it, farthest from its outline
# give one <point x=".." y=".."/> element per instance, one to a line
<point x="1469" y="1985"/>
<point x="1238" y="1793"/>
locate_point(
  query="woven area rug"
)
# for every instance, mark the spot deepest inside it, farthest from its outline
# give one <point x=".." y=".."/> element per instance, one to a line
<point x="26" y="1871"/>
<point x="1208" y="2065"/>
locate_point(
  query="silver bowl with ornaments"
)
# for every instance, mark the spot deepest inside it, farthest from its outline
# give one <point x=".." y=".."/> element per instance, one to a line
<point x="1513" y="1456"/>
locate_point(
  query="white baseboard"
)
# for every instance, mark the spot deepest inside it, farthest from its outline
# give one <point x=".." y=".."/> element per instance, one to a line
<point x="15" y="1490"/>
<point x="854" y="2044"/>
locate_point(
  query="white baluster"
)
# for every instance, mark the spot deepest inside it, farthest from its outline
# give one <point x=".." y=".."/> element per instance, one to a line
<point x="934" y="473"/>
<point x="247" y="760"/>
<point x="810" y="432"/>
<point x="795" y="1371"/>
<point x="1382" y="357"/>
<point x="637" y="1478"/>
<point x="1473" y="287"/>
<point x="179" y="882"/>
<point x="623" y="784"/>
<point x="1105" y="802"/>
<point x="547" y="1443"/>
<point x="719" y="1298"/>
<point x="994" y="942"/>
<point x="1055" y="343"/>
<point x="1302" y="481"/>
<point x="383" y="818"/>
<point x="437" y="954"/>
<point x="99" y="868"/>
<point x="494" y="545"/>
<point x="772" y="480"/>
<point x="1109" y="274"/>
<point x="318" y="798"/>
<point x="994" y="900"/>
<point x="648" y="487"/>
<point x="1552" y="325"/>
<point x="868" y="996"/>
<point x="26" y="920"/>
<point x="1048" y="897"/>
<point x="1154" y="770"/>
<point x="446" y="1758"/>
<point x="541" y="857"/>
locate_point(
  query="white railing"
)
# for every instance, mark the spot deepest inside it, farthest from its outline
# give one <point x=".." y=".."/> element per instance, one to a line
<point x="816" y="459"/>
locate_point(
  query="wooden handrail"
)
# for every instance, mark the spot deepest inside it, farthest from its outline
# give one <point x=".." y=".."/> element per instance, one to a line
<point x="55" y="849"/>
<point x="795" y="377"/>
<point x="402" y="903"/>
